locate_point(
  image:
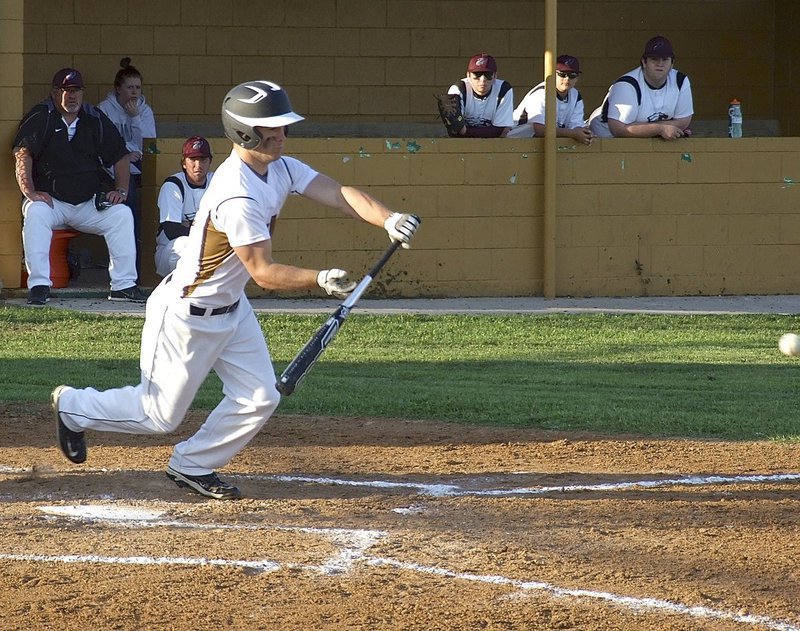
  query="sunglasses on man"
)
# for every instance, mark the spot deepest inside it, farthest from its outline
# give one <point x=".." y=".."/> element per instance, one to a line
<point x="486" y="74"/>
<point x="567" y="75"/>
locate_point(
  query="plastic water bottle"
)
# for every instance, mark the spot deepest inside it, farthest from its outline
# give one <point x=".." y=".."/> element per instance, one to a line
<point x="735" y="119"/>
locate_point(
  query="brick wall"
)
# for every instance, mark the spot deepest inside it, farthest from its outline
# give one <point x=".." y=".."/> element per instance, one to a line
<point x="380" y="60"/>
<point x="11" y="76"/>
<point x="634" y="216"/>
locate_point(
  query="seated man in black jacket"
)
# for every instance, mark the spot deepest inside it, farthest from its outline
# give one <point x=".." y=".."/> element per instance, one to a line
<point x="60" y="147"/>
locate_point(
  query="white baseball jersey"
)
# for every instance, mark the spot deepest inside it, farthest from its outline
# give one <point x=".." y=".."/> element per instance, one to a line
<point x="179" y="199"/>
<point x="238" y="208"/>
<point x="569" y="111"/>
<point x="178" y="202"/>
<point x="496" y="108"/>
<point x="631" y="100"/>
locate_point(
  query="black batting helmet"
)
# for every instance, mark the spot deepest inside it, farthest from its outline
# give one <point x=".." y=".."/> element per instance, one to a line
<point x="255" y="104"/>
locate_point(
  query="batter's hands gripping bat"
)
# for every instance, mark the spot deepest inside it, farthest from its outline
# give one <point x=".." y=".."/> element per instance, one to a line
<point x="310" y="353"/>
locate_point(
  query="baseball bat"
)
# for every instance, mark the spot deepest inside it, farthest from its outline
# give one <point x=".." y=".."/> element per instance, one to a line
<point x="310" y="353"/>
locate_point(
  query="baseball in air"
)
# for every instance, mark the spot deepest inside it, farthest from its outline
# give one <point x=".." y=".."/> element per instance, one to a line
<point x="789" y="344"/>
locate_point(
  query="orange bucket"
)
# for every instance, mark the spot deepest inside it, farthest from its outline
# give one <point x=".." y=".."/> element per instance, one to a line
<point x="59" y="269"/>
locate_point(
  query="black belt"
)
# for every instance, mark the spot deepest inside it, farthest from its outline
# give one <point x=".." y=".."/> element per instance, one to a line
<point x="200" y="311"/>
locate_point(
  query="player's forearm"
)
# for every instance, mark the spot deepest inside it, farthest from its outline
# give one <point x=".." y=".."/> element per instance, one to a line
<point x="173" y="229"/>
<point x="365" y="206"/>
<point x="268" y="274"/>
<point x="277" y="276"/>
<point x="644" y="130"/>
<point x="24" y="171"/>
<point x="122" y="173"/>
<point x="680" y="123"/>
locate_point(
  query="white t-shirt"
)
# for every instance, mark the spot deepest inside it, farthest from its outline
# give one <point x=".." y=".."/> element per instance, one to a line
<point x="622" y="103"/>
<point x="569" y="111"/>
<point x="489" y="110"/>
<point x="238" y="208"/>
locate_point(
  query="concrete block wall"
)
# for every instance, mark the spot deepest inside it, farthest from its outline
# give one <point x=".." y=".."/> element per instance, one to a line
<point x="472" y="236"/>
<point x="380" y="60"/>
<point x="701" y="217"/>
<point x="634" y="216"/>
<point x="11" y="61"/>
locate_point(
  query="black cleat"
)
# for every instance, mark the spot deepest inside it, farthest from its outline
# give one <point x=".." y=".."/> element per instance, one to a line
<point x="131" y="294"/>
<point x="38" y="295"/>
<point x="209" y="485"/>
<point x="72" y="444"/>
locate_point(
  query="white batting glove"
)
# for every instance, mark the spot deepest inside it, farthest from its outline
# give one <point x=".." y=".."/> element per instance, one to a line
<point x="401" y="227"/>
<point x="335" y="282"/>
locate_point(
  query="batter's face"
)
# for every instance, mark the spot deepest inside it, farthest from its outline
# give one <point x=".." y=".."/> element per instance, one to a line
<point x="130" y="90"/>
<point x="68" y="100"/>
<point x="656" y="70"/>
<point x="196" y="170"/>
<point x="481" y="82"/>
<point x="272" y="140"/>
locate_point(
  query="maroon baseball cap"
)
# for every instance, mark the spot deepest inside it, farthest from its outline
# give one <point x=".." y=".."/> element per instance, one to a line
<point x="67" y="78"/>
<point x="482" y="63"/>
<point x="568" y="63"/>
<point x="659" y="46"/>
<point x="196" y="147"/>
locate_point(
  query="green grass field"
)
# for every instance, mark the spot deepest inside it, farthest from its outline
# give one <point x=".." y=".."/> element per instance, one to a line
<point x="716" y="376"/>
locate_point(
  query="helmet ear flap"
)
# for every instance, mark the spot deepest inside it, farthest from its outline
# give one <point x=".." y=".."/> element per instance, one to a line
<point x="246" y="140"/>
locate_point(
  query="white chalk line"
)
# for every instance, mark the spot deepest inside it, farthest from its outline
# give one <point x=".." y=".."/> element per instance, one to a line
<point x="443" y="490"/>
<point x="454" y="490"/>
<point x="355" y="544"/>
<point x="261" y="566"/>
<point x="349" y="555"/>
<point x="351" y="543"/>
<point x="628" y="602"/>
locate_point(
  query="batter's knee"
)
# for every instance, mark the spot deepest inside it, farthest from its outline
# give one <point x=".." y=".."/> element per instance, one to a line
<point x="268" y="405"/>
<point x="263" y="405"/>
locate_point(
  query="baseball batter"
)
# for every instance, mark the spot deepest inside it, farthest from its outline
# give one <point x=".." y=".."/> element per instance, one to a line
<point x="178" y="201"/>
<point x="199" y="318"/>
<point x="651" y="100"/>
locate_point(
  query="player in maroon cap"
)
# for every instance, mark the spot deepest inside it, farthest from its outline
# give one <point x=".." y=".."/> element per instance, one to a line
<point x="649" y="101"/>
<point x="486" y="101"/>
<point x="529" y="116"/>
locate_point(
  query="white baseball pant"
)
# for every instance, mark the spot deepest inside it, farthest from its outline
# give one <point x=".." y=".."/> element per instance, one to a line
<point x="115" y="225"/>
<point x="178" y="351"/>
<point x="167" y="255"/>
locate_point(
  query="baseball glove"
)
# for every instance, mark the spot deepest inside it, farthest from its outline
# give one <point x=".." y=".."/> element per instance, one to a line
<point x="450" y="111"/>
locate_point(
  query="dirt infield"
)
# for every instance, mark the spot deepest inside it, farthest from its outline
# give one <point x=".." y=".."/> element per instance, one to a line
<point x="378" y="524"/>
